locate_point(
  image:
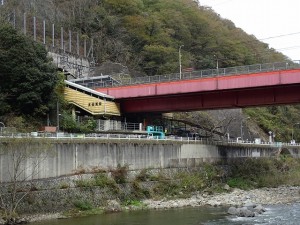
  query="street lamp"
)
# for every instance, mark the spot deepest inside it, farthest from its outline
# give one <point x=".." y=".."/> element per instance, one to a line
<point x="179" y="52"/>
<point x="293" y="130"/>
<point x="217" y="66"/>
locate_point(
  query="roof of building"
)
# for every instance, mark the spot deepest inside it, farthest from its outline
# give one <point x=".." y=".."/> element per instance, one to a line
<point x="88" y="90"/>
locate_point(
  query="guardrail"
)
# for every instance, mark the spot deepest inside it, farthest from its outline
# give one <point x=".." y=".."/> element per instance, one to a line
<point x="114" y="125"/>
<point x="267" y="67"/>
<point x="97" y="136"/>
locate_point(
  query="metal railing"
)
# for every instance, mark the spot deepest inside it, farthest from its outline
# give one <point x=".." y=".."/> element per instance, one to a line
<point x="113" y="125"/>
<point x="267" y="67"/>
<point x="104" y="136"/>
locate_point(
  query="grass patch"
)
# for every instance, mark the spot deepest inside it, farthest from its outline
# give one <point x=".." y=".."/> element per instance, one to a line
<point x="135" y="203"/>
<point x="240" y="183"/>
<point x="83" y="205"/>
<point x="85" y="183"/>
<point x="79" y="213"/>
<point x="64" y="185"/>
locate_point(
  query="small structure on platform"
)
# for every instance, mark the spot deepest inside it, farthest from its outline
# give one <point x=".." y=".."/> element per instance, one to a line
<point x="48" y="129"/>
<point x="155" y="132"/>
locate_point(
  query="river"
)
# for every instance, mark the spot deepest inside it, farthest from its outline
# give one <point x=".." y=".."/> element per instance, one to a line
<point x="275" y="215"/>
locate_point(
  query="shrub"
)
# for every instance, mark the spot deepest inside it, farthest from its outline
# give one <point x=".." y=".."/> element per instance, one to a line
<point x="143" y="175"/>
<point x="139" y="192"/>
<point x="191" y="182"/>
<point x="64" y="185"/>
<point x="83" y="205"/>
<point x="102" y="180"/>
<point x="167" y="187"/>
<point x="120" y="174"/>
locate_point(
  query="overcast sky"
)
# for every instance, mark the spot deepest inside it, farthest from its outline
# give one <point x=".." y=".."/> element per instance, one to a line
<point x="276" y="22"/>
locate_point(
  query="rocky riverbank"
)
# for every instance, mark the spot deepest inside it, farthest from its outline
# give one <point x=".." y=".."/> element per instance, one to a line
<point x="233" y="197"/>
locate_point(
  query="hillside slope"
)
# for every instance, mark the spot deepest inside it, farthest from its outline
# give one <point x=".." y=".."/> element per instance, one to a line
<point x="146" y="35"/>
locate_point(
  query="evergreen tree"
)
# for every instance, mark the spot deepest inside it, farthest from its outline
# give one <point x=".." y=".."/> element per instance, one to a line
<point x="27" y="76"/>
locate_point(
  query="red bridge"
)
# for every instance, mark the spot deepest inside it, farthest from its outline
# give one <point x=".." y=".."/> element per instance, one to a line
<point x="259" y="85"/>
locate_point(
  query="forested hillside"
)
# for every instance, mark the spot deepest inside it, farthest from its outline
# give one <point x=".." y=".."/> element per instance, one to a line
<point x="145" y="36"/>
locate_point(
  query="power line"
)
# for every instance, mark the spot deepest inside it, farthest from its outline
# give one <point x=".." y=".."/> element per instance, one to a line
<point x="288" y="48"/>
<point x="278" y="36"/>
<point x="221" y="3"/>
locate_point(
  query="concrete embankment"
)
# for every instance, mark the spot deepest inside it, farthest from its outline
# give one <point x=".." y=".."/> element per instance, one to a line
<point x="66" y="157"/>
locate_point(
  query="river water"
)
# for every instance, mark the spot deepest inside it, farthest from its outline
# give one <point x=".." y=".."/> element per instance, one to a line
<point x="275" y="215"/>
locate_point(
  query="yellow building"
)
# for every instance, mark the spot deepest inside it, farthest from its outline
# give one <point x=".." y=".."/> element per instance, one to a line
<point x="90" y="101"/>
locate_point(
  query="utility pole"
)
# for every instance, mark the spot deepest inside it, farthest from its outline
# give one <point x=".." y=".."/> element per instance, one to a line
<point x="34" y="28"/>
<point x="179" y="52"/>
<point x="53" y="35"/>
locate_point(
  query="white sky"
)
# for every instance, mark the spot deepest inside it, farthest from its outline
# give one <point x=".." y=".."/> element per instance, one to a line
<point x="264" y="19"/>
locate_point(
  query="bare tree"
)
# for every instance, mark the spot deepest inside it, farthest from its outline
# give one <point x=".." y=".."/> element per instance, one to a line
<point x="22" y="158"/>
<point x="213" y="122"/>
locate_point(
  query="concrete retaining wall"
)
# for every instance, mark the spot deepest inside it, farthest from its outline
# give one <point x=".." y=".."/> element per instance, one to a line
<point x="69" y="157"/>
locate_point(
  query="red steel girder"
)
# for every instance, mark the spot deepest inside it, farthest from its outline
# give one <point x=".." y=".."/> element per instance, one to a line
<point x="214" y="100"/>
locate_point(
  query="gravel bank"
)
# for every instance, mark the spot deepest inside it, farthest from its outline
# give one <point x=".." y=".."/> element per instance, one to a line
<point x="235" y="197"/>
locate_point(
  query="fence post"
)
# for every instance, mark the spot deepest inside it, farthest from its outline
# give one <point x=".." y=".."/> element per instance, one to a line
<point x="62" y="38"/>
<point x="44" y="32"/>
<point x="34" y="28"/>
<point x="53" y="35"/>
<point x="24" y="23"/>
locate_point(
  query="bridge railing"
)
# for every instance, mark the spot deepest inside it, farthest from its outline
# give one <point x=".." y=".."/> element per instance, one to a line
<point x="123" y="136"/>
<point x="267" y="67"/>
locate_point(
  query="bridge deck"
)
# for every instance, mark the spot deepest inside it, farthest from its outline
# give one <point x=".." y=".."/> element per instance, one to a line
<point x="257" y="89"/>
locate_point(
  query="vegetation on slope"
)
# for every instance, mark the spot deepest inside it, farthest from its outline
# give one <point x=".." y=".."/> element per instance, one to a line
<point x="27" y="76"/>
<point x="245" y="174"/>
<point x="283" y="121"/>
<point x="145" y="35"/>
